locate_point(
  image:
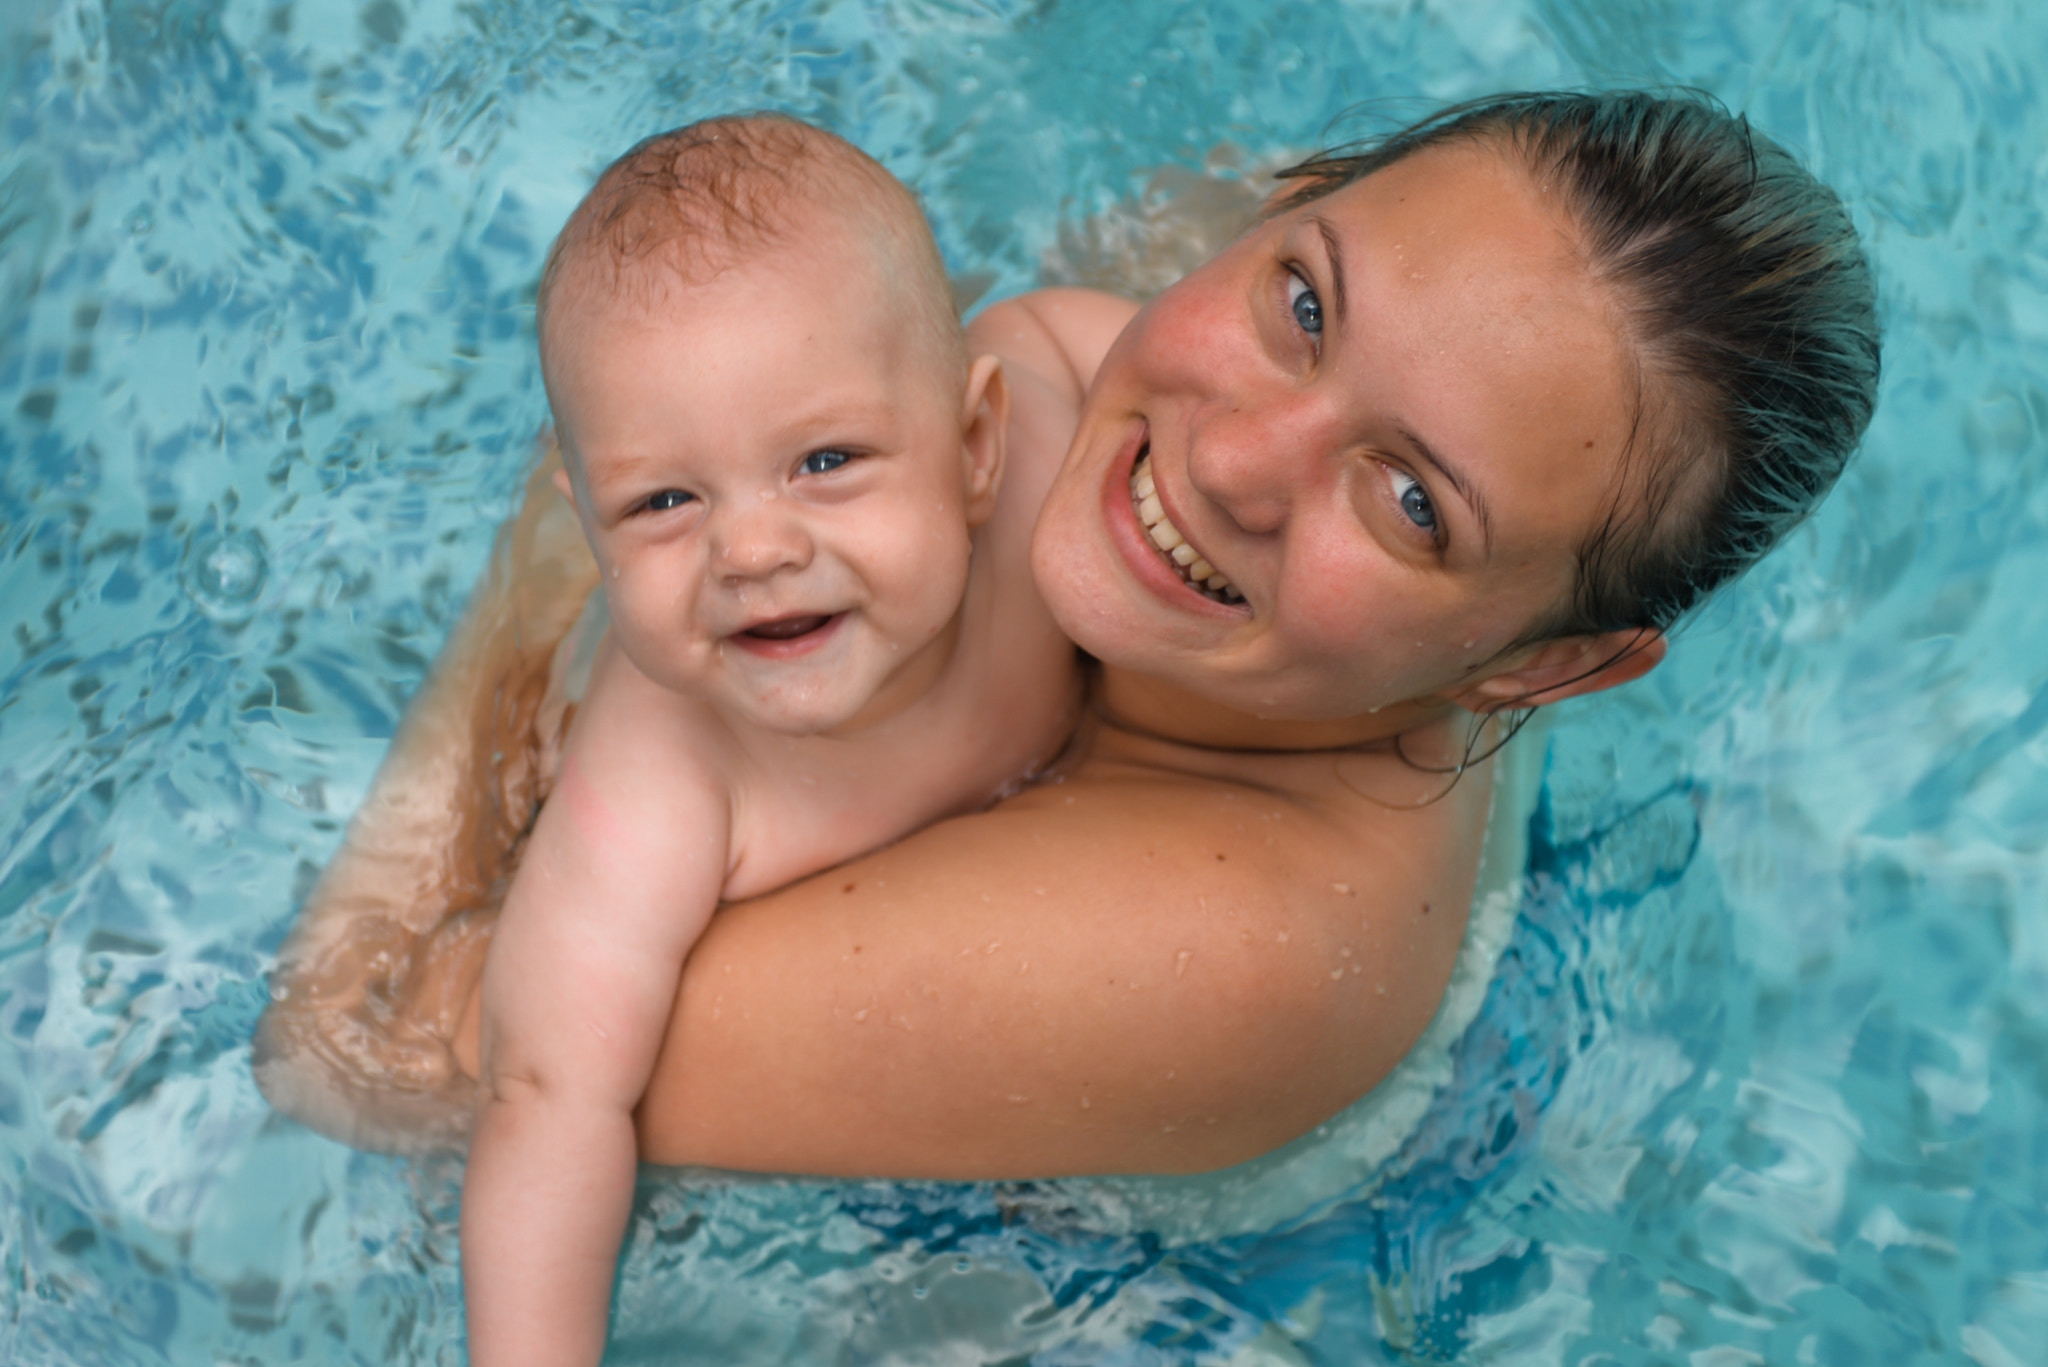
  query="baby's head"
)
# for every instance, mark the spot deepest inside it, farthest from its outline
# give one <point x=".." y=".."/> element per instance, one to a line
<point x="769" y="424"/>
<point x="684" y="206"/>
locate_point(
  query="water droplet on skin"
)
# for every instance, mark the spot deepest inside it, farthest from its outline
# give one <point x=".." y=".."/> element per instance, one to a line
<point x="1341" y="889"/>
<point x="1180" y="963"/>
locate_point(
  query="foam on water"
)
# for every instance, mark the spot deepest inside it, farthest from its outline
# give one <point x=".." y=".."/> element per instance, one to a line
<point x="1757" y="1079"/>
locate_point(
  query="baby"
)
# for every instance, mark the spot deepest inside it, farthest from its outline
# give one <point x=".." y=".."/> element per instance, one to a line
<point x="822" y="635"/>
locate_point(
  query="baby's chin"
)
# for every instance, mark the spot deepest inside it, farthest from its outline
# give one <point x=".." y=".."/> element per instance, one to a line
<point x="829" y="701"/>
<point x="805" y="718"/>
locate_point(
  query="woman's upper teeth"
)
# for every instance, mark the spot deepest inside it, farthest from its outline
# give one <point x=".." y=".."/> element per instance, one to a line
<point x="1163" y="534"/>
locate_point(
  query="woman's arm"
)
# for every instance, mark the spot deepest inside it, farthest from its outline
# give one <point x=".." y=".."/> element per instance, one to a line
<point x="402" y="913"/>
<point x="1139" y="970"/>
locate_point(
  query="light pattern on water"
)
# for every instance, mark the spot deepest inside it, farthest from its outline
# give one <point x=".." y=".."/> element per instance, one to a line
<point x="1760" y="1078"/>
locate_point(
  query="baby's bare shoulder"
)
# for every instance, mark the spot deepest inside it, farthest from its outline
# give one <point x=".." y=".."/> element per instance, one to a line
<point x="1054" y="337"/>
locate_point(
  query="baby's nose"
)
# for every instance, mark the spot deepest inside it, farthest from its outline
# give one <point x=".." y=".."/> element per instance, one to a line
<point x="755" y="541"/>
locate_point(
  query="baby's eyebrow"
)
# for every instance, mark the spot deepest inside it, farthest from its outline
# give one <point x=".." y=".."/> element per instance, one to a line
<point x="832" y="415"/>
<point x="622" y="469"/>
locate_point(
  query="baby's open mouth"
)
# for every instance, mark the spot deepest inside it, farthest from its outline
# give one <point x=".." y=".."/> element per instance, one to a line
<point x="1198" y="573"/>
<point x="790" y="628"/>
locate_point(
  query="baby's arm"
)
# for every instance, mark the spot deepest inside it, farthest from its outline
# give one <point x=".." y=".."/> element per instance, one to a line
<point x="623" y="870"/>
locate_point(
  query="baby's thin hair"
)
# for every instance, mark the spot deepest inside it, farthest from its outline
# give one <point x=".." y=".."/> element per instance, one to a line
<point x="682" y="206"/>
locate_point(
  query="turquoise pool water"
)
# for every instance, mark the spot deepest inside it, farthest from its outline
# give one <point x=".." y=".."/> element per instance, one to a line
<point x="1763" y="1076"/>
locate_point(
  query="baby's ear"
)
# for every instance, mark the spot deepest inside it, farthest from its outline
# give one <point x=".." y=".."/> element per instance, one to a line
<point x="984" y="433"/>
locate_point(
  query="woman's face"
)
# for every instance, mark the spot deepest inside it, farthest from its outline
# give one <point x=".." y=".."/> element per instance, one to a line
<point x="1383" y="423"/>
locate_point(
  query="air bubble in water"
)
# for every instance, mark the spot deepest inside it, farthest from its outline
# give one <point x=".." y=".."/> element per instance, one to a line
<point x="224" y="573"/>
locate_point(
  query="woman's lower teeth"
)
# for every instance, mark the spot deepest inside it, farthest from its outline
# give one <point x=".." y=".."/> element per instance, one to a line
<point x="1197" y="572"/>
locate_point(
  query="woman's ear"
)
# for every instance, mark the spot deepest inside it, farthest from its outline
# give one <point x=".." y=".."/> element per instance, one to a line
<point x="984" y="436"/>
<point x="1566" y="668"/>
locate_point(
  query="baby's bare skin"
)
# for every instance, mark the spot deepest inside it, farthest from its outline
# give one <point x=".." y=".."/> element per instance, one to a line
<point x="816" y="647"/>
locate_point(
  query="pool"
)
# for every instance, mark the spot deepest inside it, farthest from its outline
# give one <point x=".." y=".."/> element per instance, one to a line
<point x="1761" y="1079"/>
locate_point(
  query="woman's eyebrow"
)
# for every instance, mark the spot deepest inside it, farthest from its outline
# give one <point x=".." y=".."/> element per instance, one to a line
<point x="1335" y="252"/>
<point x="1455" y="480"/>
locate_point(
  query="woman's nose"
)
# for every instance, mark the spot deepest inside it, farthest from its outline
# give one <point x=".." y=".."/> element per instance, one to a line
<point x="1248" y="456"/>
<point x="759" y="538"/>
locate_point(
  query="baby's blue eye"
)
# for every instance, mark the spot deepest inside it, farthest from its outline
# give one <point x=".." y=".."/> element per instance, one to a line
<point x="667" y="499"/>
<point x="1308" y="309"/>
<point x="823" y="462"/>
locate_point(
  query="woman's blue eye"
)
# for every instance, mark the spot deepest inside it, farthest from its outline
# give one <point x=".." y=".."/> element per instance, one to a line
<point x="1415" y="502"/>
<point x="1308" y="309"/>
<point x="667" y="499"/>
<point x="823" y="462"/>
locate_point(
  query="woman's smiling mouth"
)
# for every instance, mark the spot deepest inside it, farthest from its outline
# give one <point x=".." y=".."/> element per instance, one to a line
<point x="1197" y="573"/>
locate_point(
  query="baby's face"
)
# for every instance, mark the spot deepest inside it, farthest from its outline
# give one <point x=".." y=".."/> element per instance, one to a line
<point x="773" y="475"/>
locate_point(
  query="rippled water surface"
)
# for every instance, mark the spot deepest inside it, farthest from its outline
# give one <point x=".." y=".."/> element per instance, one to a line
<point x="1761" y="1077"/>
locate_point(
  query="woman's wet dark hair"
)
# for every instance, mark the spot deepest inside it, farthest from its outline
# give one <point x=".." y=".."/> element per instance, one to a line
<point x="1751" y="309"/>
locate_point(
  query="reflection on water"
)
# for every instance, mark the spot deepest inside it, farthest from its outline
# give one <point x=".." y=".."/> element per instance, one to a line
<point x="1759" y="1079"/>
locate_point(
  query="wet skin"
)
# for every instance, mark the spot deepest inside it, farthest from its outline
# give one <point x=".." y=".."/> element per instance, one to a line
<point x="769" y="467"/>
<point x="1176" y="958"/>
<point x="1389" y="417"/>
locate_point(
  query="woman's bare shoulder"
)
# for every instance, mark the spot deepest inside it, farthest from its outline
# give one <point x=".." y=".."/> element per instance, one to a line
<point x="1135" y="970"/>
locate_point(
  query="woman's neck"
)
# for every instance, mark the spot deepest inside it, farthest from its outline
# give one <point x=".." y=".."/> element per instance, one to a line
<point x="1140" y="703"/>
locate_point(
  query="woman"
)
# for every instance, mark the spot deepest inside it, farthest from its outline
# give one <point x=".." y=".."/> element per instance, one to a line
<point x="1463" y="425"/>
